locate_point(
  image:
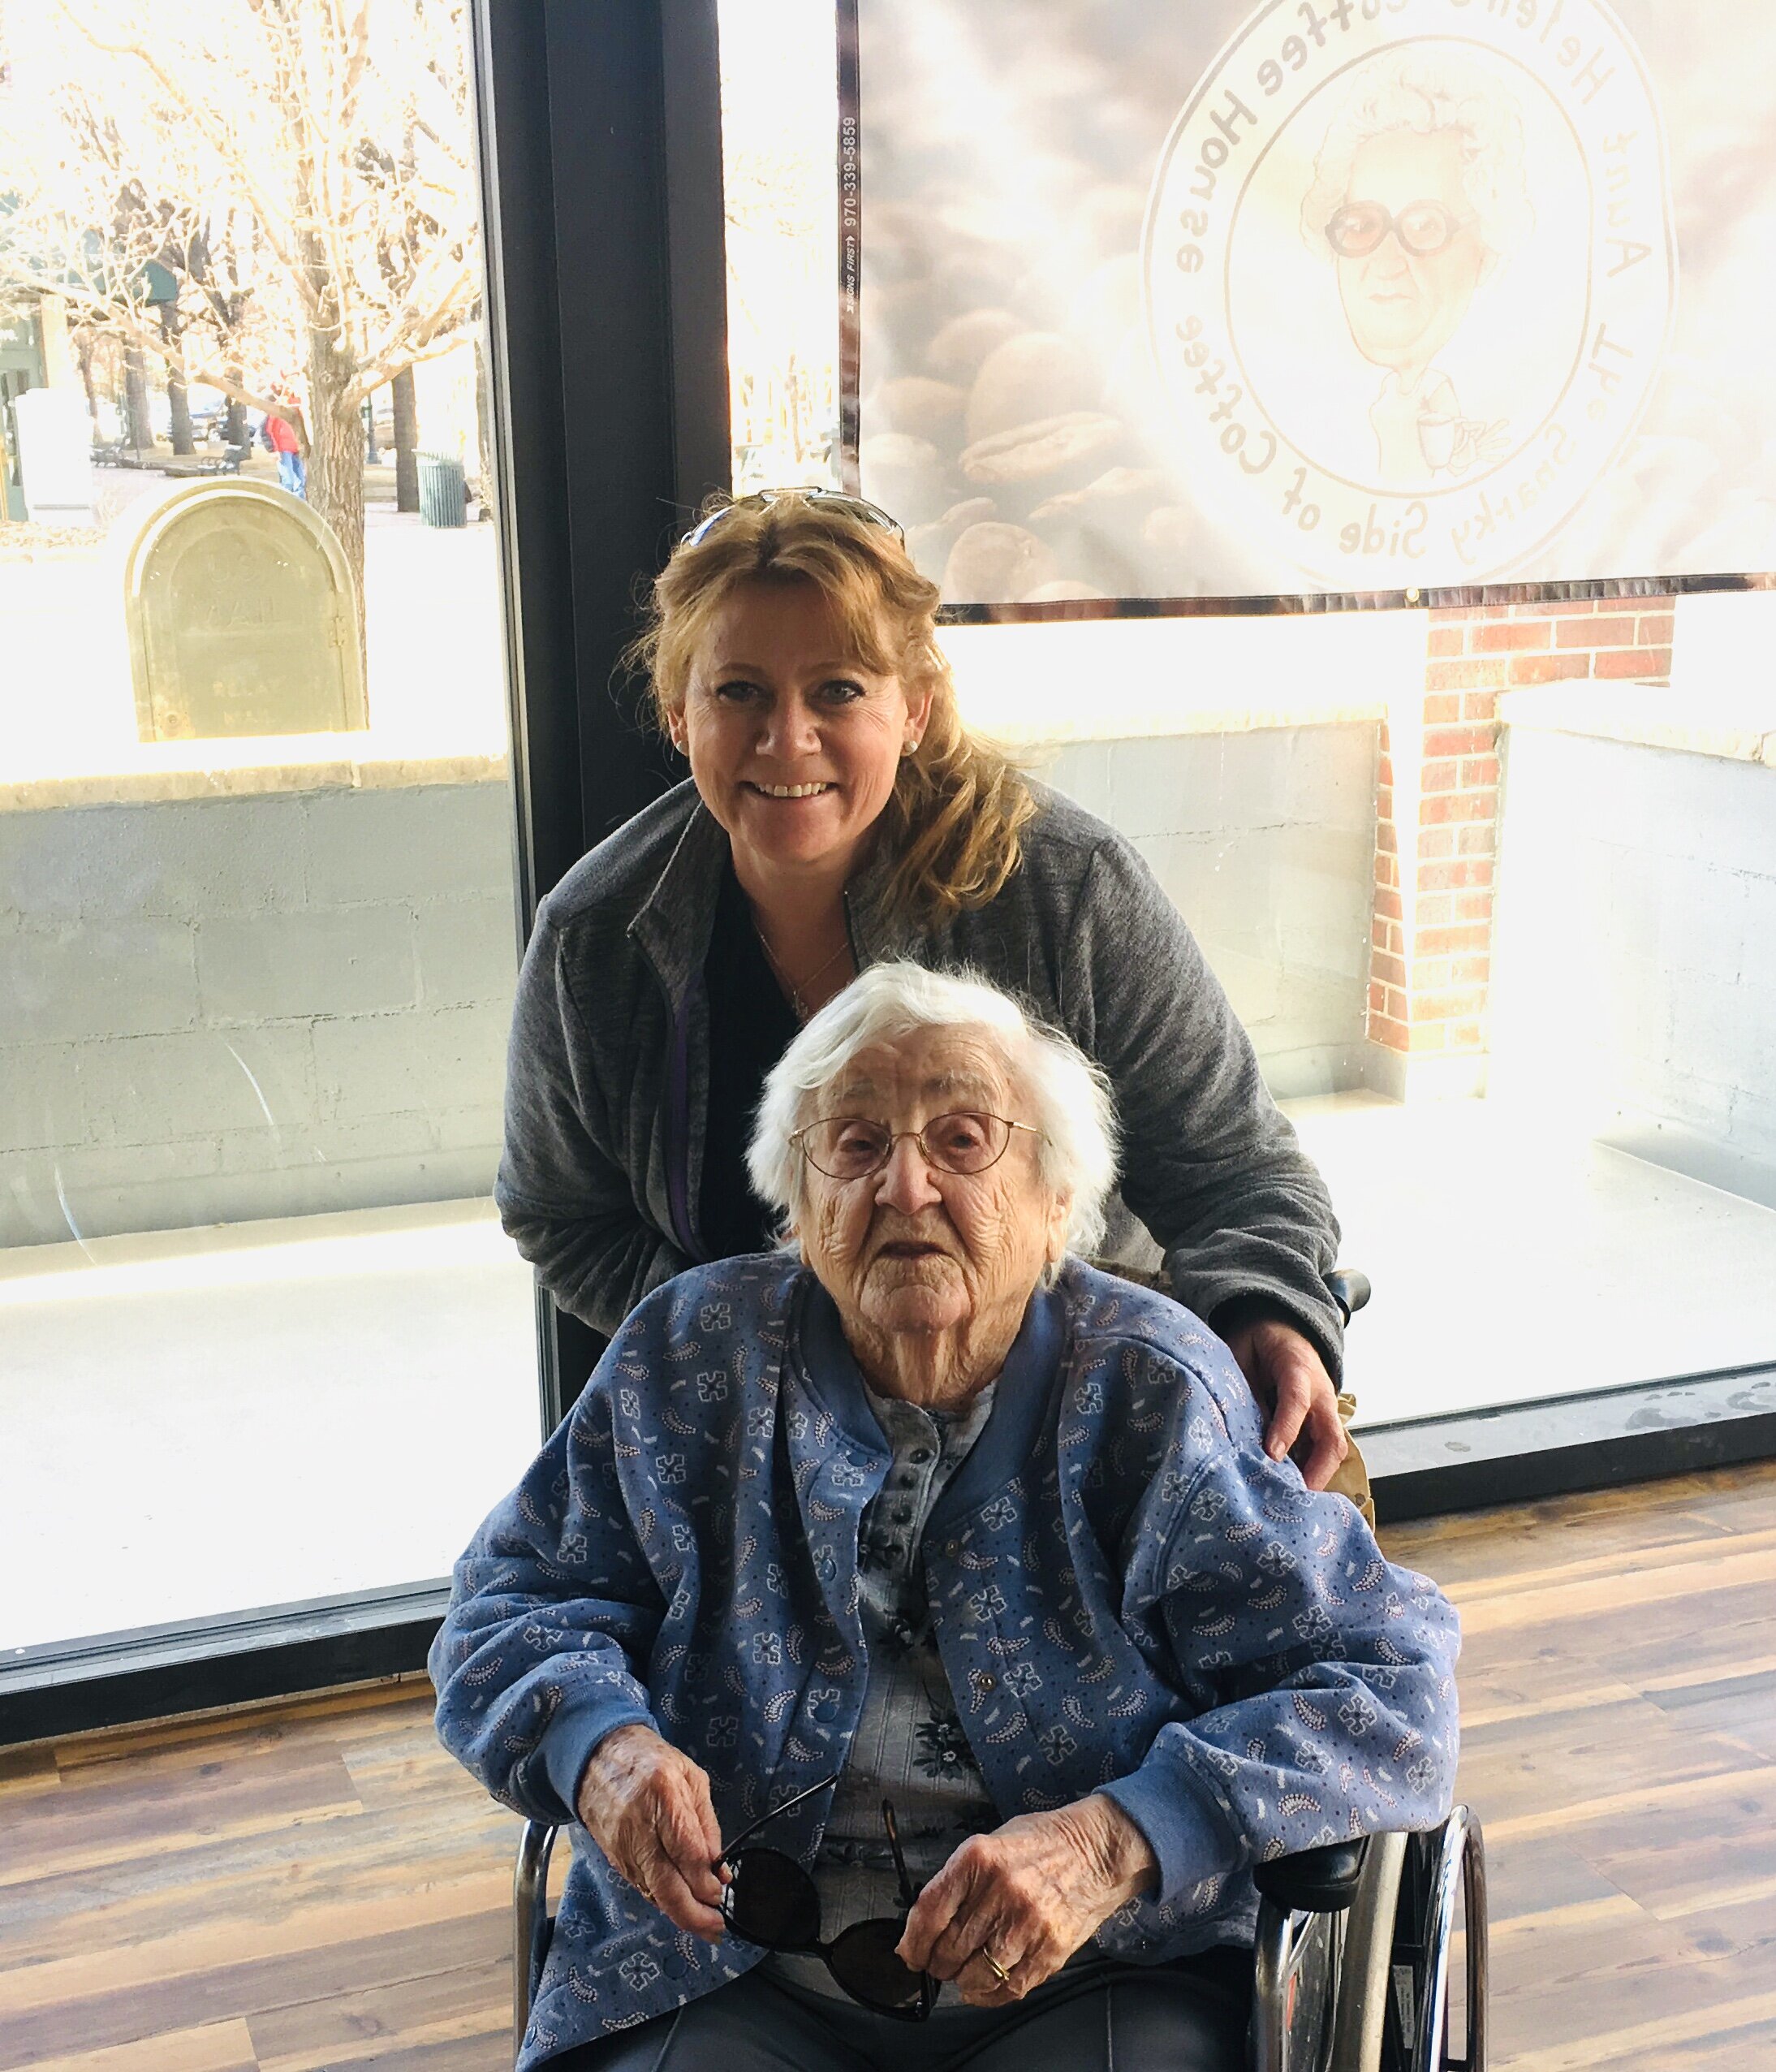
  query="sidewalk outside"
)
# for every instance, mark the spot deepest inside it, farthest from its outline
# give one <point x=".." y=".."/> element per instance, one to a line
<point x="258" y="1414"/>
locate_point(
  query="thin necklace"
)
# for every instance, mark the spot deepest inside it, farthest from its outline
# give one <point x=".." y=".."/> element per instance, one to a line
<point x="783" y="979"/>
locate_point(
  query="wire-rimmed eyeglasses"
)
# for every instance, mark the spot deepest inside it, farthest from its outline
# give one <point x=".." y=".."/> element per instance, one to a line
<point x="852" y="1147"/>
<point x="1424" y="228"/>
<point x="855" y="507"/>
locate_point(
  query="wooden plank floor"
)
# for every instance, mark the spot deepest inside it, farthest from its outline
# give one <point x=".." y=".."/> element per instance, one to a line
<point x="319" y="1886"/>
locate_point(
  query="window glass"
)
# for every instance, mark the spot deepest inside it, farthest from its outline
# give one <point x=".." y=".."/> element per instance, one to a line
<point x="779" y="127"/>
<point x="1493" y="890"/>
<point x="265" y="1342"/>
<point x="1504" y="948"/>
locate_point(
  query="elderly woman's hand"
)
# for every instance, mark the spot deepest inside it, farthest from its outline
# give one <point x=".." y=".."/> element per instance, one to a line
<point x="648" y="1809"/>
<point x="1020" y="1900"/>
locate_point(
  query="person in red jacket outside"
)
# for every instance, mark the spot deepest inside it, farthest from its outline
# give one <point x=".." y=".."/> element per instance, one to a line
<point x="282" y="437"/>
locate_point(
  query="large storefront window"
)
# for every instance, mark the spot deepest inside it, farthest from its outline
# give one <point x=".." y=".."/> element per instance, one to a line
<point x="1491" y="886"/>
<point x="265" y="1340"/>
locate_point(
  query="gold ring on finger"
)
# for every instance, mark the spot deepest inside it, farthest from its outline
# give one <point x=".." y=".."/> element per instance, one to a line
<point x="995" y="1967"/>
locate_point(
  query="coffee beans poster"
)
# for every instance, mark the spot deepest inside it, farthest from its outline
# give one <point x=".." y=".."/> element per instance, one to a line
<point x="1310" y="298"/>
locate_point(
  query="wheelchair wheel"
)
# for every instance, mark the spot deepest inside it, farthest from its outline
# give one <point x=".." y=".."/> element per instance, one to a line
<point x="1359" y="2018"/>
<point x="1396" y="2009"/>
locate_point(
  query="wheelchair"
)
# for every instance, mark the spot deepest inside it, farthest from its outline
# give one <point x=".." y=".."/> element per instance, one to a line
<point x="1354" y="1954"/>
<point x="1355" y="1941"/>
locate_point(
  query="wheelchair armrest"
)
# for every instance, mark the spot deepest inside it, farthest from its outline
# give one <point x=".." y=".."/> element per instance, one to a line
<point x="1314" y="1880"/>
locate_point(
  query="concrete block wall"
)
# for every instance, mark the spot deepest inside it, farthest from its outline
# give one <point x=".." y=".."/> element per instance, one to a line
<point x="226" y="1009"/>
<point x="1635" y="978"/>
<point x="1264" y="841"/>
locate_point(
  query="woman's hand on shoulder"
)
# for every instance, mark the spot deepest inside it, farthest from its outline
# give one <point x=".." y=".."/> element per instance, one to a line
<point x="1024" y="1897"/>
<point x="648" y="1807"/>
<point x="1290" y="1381"/>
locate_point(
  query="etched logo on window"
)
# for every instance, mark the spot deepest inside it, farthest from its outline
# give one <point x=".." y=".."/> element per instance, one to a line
<point x="1410" y="275"/>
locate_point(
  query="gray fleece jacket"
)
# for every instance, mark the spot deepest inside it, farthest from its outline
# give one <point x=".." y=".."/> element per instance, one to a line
<point x="607" y="1083"/>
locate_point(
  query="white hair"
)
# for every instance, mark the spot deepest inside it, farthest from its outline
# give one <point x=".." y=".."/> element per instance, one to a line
<point x="1069" y="1096"/>
<point x="1430" y="92"/>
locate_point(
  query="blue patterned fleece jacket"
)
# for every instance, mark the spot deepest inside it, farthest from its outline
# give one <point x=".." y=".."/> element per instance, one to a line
<point x="1128" y="1595"/>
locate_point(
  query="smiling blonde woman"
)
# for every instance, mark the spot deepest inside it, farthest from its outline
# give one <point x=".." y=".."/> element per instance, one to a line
<point x="839" y="815"/>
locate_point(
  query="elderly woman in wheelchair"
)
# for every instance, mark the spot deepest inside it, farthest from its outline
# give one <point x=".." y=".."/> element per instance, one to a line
<point x="913" y="1619"/>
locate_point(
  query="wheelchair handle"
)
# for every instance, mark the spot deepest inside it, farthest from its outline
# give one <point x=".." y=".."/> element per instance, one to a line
<point x="1349" y="1289"/>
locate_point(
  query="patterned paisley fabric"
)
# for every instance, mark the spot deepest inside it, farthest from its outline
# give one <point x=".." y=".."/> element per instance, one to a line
<point x="1127" y="1594"/>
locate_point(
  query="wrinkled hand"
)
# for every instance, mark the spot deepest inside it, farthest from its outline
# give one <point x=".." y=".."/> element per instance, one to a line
<point x="1290" y="1379"/>
<point x="1027" y="1894"/>
<point x="648" y="1809"/>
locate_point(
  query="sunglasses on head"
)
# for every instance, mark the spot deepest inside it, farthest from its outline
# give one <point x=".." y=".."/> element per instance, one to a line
<point x="771" y="1900"/>
<point x="854" y="507"/>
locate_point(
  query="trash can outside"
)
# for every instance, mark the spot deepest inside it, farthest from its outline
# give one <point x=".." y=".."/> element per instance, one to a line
<point x="443" y="490"/>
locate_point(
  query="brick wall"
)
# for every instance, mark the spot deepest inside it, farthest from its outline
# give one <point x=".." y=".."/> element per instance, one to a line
<point x="1436" y="819"/>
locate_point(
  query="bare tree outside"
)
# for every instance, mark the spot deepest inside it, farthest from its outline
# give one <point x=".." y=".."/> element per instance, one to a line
<point x="270" y="197"/>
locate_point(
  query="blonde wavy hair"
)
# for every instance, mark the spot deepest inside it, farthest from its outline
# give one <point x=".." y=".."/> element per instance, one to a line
<point x="953" y="818"/>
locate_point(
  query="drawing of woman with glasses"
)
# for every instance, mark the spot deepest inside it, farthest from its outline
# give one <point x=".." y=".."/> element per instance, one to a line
<point x="1420" y="196"/>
